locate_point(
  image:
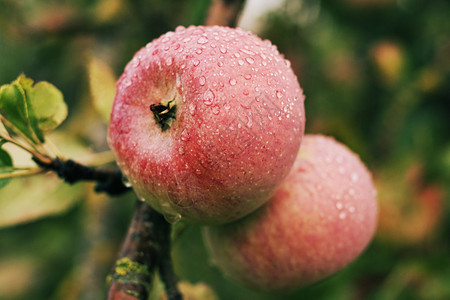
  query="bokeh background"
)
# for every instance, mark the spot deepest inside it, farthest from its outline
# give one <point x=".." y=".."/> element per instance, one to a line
<point x="376" y="75"/>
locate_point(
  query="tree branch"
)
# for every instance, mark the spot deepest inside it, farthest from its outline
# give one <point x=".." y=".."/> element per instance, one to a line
<point x="109" y="181"/>
<point x="147" y="246"/>
<point x="224" y="12"/>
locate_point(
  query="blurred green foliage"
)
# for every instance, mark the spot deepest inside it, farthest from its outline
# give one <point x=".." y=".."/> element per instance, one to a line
<point x="376" y="75"/>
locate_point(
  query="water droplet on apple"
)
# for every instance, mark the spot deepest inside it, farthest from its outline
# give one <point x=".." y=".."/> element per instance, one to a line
<point x="250" y="60"/>
<point x="279" y="94"/>
<point x="196" y="62"/>
<point x="169" y="61"/>
<point x="248" y="76"/>
<point x="198" y="172"/>
<point x="227" y="106"/>
<point x="237" y="55"/>
<point x="216" y="109"/>
<point x="192" y="108"/>
<point x="351" y="209"/>
<point x="220" y="64"/>
<point x="223" y="50"/>
<point x="249" y="52"/>
<point x="202" y="40"/>
<point x="233" y="81"/>
<point x="180" y="28"/>
<point x="184" y="135"/>
<point x="172" y="218"/>
<point x="181" y="151"/>
<point x="339" y="205"/>
<point x="126" y="182"/>
<point x="202" y="80"/>
<point x="240" y="62"/>
<point x="342" y="215"/>
<point x="354" y="177"/>
<point x="208" y="97"/>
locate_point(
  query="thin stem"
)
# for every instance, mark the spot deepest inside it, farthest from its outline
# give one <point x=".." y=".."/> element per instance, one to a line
<point x="21" y="172"/>
<point x="34" y="150"/>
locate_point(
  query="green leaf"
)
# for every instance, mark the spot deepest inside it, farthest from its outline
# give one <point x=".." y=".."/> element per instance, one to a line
<point x="6" y="164"/>
<point x="48" y="105"/>
<point x="16" y="109"/>
<point x="102" y="82"/>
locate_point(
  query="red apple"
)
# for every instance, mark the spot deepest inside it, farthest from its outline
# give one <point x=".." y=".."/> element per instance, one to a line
<point x="207" y="122"/>
<point x="320" y="219"/>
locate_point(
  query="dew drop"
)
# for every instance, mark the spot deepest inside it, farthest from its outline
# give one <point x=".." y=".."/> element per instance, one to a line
<point x="354" y="177"/>
<point x="172" y="218"/>
<point x="250" y="60"/>
<point x="248" y="76"/>
<point x="233" y="81"/>
<point x="249" y="52"/>
<point x="199" y="51"/>
<point x="192" y="108"/>
<point x="181" y="151"/>
<point x="227" y="106"/>
<point x="264" y="63"/>
<point x="339" y="205"/>
<point x="202" y="40"/>
<point x="180" y="28"/>
<point x="202" y="81"/>
<point x="215" y="109"/>
<point x="208" y="97"/>
<point x="342" y="215"/>
<point x="184" y="135"/>
<point x="240" y="62"/>
<point x="169" y="61"/>
<point x="196" y="62"/>
<point x="245" y="92"/>
<point x="220" y="64"/>
<point x="279" y="94"/>
<point x="127" y="82"/>
<point x="237" y="55"/>
<point x="223" y="50"/>
<point x="126" y="182"/>
<point x="249" y="122"/>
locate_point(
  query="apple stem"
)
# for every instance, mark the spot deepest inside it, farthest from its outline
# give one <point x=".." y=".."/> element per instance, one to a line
<point x="164" y="113"/>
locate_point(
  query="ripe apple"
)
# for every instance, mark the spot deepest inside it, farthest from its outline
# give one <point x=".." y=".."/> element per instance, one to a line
<point x="206" y="123"/>
<point x="320" y="219"/>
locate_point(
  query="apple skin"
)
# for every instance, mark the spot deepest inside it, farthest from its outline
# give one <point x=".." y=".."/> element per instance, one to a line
<point x="321" y="219"/>
<point x="238" y="127"/>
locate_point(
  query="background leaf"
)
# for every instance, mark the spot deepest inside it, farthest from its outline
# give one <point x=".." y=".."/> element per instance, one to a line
<point x="102" y="83"/>
<point x="48" y="105"/>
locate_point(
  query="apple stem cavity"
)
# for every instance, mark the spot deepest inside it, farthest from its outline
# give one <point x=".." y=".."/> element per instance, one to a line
<point x="164" y="113"/>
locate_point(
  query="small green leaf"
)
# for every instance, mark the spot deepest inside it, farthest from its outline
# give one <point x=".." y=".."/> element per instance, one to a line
<point x="6" y="164"/>
<point x="48" y="105"/>
<point x="16" y="109"/>
<point x="102" y="82"/>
